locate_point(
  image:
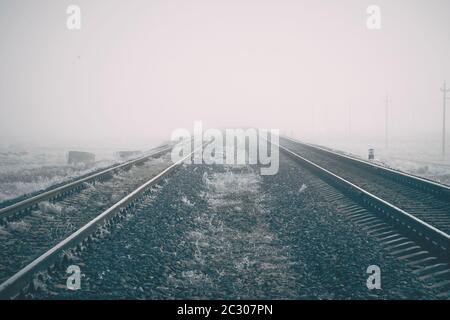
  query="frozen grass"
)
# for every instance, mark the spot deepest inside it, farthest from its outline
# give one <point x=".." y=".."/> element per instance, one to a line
<point x="19" y="226"/>
<point x="37" y="169"/>
<point x="33" y="170"/>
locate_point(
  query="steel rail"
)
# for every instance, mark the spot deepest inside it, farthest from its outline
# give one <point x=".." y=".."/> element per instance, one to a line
<point x="429" y="186"/>
<point x="432" y="236"/>
<point x="54" y="193"/>
<point x="13" y="285"/>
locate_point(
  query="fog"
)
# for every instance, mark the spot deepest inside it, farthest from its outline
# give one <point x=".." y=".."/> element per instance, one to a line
<point x="137" y="70"/>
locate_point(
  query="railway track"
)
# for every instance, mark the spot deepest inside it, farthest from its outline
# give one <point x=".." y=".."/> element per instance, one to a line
<point x="47" y="219"/>
<point x="228" y="232"/>
<point x="416" y="242"/>
<point x="408" y="214"/>
<point x="23" y="207"/>
<point x="423" y="199"/>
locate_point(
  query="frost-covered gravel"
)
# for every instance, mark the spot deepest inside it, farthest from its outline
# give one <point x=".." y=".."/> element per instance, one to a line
<point x="403" y="196"/>
<point x="334" y="253"/>
<point x="23" y="240"/>
<point x="228" y="232"/>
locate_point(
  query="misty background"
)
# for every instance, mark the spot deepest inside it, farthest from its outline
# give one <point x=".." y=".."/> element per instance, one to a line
<point x="137" y="70"/>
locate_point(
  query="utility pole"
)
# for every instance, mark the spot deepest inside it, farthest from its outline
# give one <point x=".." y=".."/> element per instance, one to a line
<point x="386" y="121"/>
<point x="349" y="120"/>
<point x="444" y="90"/>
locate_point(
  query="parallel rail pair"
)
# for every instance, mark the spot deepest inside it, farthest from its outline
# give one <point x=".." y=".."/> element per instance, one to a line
<point x="430" y="236"/>
<point x="13" y="285"/>
<point x="437" y="240"/>
<point x="30" y="203"/>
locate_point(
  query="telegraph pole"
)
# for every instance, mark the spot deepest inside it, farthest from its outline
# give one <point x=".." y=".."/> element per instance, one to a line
<point x="349" y="120"/>
<point x="386" y="120"/>
<point x="444" y="90"/>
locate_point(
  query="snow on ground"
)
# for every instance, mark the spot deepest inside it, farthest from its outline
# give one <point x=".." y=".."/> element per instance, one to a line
<point x="25" y="171"/>
<point x="420" y="157"/>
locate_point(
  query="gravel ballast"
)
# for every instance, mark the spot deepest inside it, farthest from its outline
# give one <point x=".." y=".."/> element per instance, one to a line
<point x="226" y="232"/>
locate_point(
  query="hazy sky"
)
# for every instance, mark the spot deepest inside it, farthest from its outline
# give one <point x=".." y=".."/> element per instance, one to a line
<point x="140" y="69"/>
